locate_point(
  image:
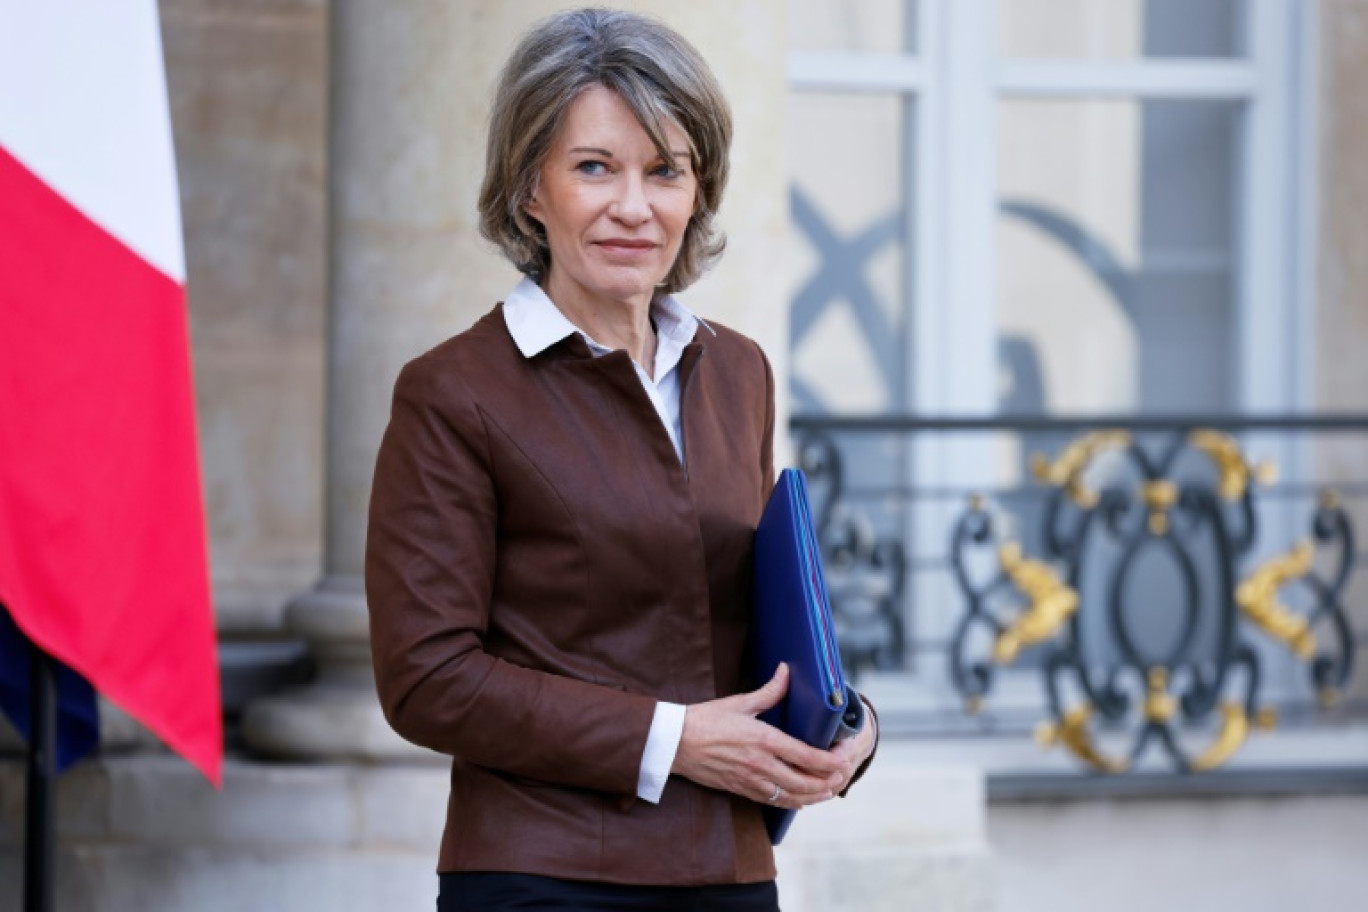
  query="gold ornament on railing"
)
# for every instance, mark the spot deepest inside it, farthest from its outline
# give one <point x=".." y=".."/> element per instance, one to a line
<point x="1067" y="471"/>
<point x="1052" y="602"/>
<point x="1160" y="706"/>
<point x="1159" y="496"/>
<point x="1257" y="597"/>
<point x="1234" y="731"/>
<point x="1073" y="735"/>
<point x="1235" y="473"/>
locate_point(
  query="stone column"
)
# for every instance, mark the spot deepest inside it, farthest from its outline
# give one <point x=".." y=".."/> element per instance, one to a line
<point x="1341" y="322"/>
<point x="410" y="93"/>
<point x="394" y="191"/>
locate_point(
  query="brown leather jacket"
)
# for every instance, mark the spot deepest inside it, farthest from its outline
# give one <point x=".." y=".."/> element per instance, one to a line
<point x="541" y="570"/>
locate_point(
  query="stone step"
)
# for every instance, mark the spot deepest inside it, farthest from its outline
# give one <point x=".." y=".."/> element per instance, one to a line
<point x="147" y="832"/>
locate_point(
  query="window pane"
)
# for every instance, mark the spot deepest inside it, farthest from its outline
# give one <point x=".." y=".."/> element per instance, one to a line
<point x="883" y="26"/>
<point x="1119" y="29"/>
<point x="847" y="159"/>
<point x="1115" y="256"/>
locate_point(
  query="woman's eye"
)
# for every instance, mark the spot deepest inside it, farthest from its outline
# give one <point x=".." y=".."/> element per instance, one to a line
<point x="591" y="167"/>
<point x="664" y="170"/>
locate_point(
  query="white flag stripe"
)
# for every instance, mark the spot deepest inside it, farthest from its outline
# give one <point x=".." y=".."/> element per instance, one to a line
<point x="83" y="105"/>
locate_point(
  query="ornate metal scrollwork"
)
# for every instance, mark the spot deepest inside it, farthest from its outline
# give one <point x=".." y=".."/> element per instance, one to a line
<point x="865" y="571"/>
<point x="1114" y="505"/>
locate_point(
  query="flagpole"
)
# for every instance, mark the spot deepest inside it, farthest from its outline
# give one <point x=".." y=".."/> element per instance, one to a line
<point x="40" y="834"/>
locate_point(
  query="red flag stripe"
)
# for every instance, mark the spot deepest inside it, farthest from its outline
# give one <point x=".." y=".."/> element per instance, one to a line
<point x="103" y="555"/>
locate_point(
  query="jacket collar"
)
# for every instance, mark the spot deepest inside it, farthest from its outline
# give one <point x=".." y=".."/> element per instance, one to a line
<point x="536" y="323"/>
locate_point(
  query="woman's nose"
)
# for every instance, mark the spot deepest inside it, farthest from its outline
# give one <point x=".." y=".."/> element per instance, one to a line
<point x="630" y="205"/>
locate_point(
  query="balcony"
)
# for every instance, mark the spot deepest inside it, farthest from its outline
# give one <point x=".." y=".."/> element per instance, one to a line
<point x="1166" y="604"/>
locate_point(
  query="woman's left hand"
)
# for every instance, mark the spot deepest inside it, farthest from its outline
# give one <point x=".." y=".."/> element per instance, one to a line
<point x="855" y="750"/>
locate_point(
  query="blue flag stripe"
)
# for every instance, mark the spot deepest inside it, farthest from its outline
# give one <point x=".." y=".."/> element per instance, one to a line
<point x="78" y="722"/>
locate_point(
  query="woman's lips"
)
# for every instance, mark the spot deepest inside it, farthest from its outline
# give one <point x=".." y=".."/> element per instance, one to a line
<point x="626" y="244"/>
<point x="628" y="251"/>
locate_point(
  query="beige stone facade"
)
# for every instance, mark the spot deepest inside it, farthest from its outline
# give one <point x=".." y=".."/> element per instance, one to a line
<point x="248" y="86"/>
<point x="1342" y="262"/>
<point x="1341" y="371"/>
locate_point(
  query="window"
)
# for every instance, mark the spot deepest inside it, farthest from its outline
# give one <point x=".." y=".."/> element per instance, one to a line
<point x="1062" y="207"/>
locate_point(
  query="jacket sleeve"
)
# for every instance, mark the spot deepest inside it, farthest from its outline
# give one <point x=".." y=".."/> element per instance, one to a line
<point x="430" y="559"/>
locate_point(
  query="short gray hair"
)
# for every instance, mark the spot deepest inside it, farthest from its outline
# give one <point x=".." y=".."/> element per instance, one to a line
<point x="658" y="74"/>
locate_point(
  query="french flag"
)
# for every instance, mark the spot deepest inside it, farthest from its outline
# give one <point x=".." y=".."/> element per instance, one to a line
<point x="103" y="552"/>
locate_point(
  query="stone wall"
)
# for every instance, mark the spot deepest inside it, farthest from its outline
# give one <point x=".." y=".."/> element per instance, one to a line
<point x="1342" y="264"/>
<point x="1340" y="369"/>
<point x="1238" y="854"/>
<point x="248" y="88"/>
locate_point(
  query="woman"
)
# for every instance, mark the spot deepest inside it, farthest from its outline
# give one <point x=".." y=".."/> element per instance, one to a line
<point x="560" y="534"/>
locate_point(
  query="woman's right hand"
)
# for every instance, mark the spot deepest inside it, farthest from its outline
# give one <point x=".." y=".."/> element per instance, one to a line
<point x="725" y="747"/>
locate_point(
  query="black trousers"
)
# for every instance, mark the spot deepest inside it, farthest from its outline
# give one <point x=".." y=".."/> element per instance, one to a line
<point x="501" y="892"/>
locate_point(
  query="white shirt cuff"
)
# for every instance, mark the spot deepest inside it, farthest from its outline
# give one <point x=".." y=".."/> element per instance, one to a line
<point x="662" y="742"/>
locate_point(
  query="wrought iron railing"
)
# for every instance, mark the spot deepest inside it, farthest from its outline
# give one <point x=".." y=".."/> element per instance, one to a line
<point x="1158" y="574"/>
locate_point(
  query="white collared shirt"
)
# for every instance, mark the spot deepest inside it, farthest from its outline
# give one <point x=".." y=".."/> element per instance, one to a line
<point x="535" y="323"/>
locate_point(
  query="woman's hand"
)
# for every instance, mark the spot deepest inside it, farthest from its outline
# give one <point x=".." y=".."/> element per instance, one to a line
<point x="725" y="747"/>
<point x="856" y="749"/>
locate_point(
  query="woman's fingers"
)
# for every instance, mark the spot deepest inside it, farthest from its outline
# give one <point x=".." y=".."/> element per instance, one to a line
<point x="800" y="787"/>
<point x="784" y="800"/>
<point x="757" y="701"/>
<point x="764" y="769"/>
<point x="724" y="746"/>
<point x="852" y="752"/>
<point x="802" y="756"/>
<point x="764" y="793"/>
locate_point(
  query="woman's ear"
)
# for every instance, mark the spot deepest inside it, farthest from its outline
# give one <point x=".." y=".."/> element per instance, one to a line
<point x="532" y="205"/>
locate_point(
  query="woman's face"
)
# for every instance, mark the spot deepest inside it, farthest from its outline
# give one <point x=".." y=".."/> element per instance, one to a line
<point x="614" y="210"/>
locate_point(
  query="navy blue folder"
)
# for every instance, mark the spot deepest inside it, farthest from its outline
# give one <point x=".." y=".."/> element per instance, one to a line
<point x="791" y="622"/>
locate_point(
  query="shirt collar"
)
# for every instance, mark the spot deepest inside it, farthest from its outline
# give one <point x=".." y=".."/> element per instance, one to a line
<point x="536" y="323"/>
